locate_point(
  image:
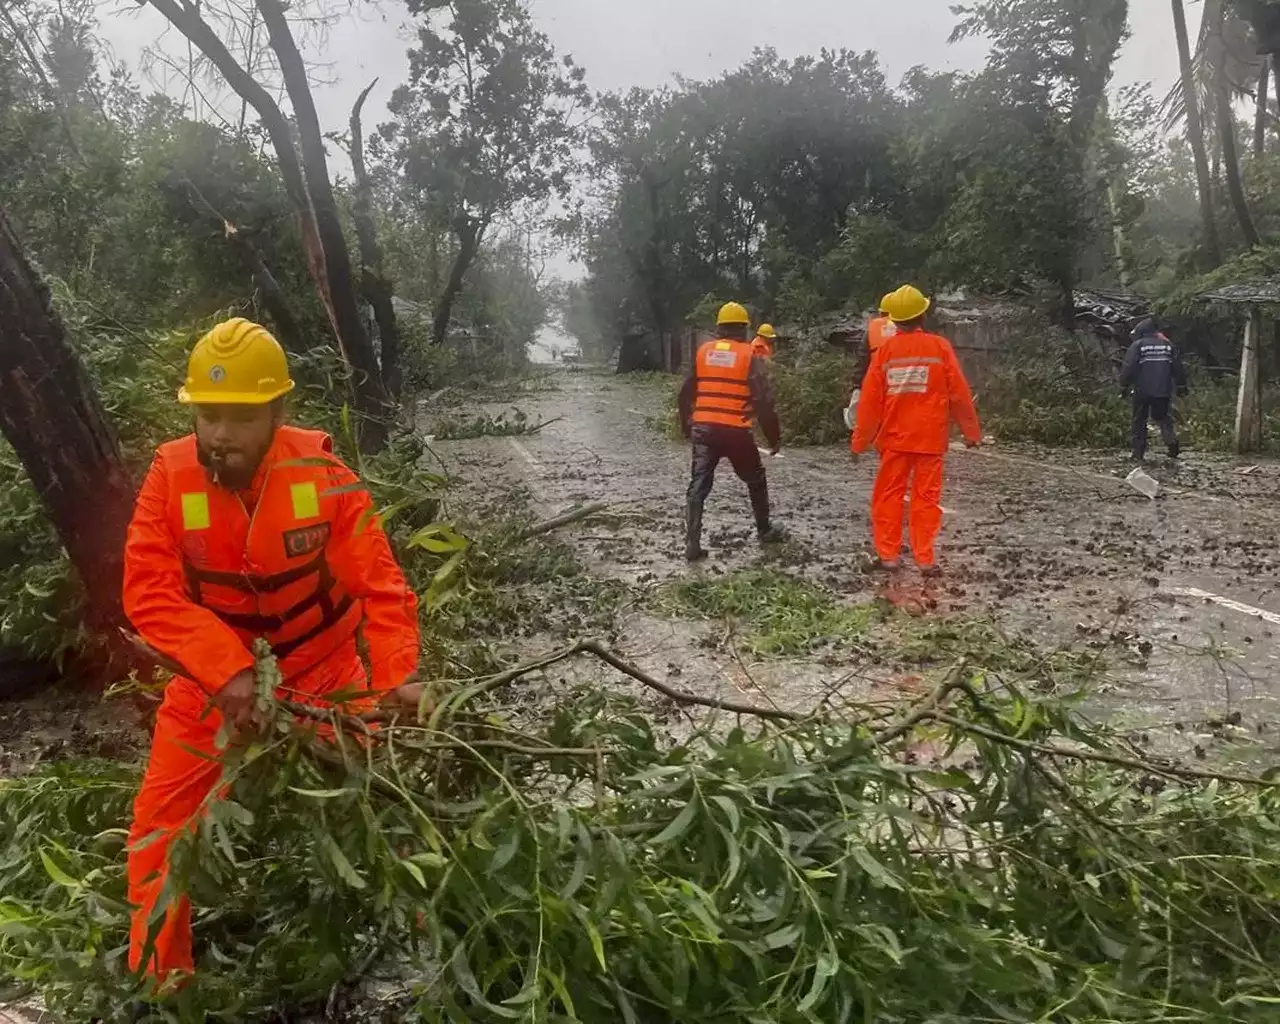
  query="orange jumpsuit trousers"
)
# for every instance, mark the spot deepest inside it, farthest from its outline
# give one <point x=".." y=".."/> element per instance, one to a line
<point x="923" y="474"/>
<point x="175" y="788"/>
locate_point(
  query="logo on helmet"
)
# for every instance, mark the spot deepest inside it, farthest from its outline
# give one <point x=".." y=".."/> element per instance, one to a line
<point x="217" y="374"/>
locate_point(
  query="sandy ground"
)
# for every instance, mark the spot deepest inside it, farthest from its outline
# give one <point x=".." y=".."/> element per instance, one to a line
<point x="1051" y="545"/>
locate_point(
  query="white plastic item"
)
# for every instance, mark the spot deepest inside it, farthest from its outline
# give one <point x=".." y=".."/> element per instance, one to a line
<point x="1143" y="482"/>
<point x="851" y="410"/>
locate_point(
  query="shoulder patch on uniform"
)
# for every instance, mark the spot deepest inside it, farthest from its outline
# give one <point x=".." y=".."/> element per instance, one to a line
<point x="195" y="510"/>
<point x="306" y="539"/>
<point x="719" y="358"/>
<point x="306" y="501"/>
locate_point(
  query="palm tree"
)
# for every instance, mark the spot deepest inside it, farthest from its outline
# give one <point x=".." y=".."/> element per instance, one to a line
<point x="1215" y="42"/>
<point x="1190" y="103"/>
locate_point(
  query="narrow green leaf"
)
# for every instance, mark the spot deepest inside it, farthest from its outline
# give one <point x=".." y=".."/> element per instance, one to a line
<point x="680" y="825"/>
<point x="597" y="945"/>
<point x="56" y="873"/>
<point x="343" y="866"/>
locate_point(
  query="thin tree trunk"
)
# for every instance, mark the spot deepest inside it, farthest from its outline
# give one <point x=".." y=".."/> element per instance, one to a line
<point x="51" y="415"/>
<point x="282" y="318"/>
<point x="1260" y="110"/>
<point x="1195" y="137"/>
<point x="1227" y="133"/>
<point x="1231" y="165"/>
<point x="371" y="397"/>
<point x="373" y="279"/>
<point x="468" y="247"/>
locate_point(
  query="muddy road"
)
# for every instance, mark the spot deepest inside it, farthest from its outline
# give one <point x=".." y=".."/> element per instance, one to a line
<point x="1053" y="546"/>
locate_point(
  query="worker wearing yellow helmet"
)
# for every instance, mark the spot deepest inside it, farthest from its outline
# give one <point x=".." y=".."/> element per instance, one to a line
<point x="765" y="337"/>
<point x="246" y="528"/>
<point x="913" y="392"/>
<point x="728" y="389"/>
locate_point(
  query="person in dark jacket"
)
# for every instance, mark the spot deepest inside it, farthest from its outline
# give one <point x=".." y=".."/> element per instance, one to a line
<point x="1154" y="371"/>
<point x="728" y="388"/>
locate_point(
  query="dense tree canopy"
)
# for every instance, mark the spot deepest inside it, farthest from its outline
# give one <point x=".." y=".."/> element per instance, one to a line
<point x="806" y="185"/>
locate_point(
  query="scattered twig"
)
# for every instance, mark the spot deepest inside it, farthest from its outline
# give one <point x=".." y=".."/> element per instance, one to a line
<point x="953" y="680"/>
<point x="679" y="696"/>
<point x="543" y="423"/>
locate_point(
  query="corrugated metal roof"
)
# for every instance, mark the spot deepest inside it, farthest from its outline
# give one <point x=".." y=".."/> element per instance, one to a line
<point x="1261" y="291"/>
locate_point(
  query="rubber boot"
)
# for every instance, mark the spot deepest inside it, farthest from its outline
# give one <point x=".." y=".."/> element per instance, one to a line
<point x="768" y="533"/>
<point x="693" y="550"/>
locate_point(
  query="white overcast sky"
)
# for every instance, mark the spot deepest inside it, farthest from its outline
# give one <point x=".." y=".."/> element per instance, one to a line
<point x="648" y="42"/>
<point x="623" y="43"/>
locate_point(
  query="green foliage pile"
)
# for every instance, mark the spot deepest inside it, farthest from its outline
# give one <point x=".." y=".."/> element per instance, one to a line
<point x="811" y="391"/>
<point x="775" y="612"/>
<point x="485" y="425"/>
<point x="581" y="865"/>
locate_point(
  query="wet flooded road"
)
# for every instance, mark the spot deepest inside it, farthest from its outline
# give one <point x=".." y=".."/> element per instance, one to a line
<point x="1052" y="546"/>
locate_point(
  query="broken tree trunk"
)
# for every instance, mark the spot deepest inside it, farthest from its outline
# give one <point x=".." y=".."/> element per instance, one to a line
<point x="371" y="397"/>
<point x="1249" y="400"/>
<point x="282" y="318"/>
<point x="50" y="414"/>
<point x="373" y="279"/>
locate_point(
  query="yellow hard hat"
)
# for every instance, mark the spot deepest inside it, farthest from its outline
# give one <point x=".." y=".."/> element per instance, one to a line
<point x="907" y="303"/>
<point x="236" y="363"/>
<point x="733" y="313"/>
<point x="884" y="303"/>
<point x="767" y="331"/>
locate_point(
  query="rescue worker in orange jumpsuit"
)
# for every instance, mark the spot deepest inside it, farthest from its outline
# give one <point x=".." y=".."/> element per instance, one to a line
<point x="763" y="345"/>
<point x="727" y="388"/>
<point x="912" y="393"/>
<point x="879" y="329"/>
<point x="246" y="528"/>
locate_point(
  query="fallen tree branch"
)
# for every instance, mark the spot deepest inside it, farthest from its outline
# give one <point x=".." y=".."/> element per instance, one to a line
<point x="1098" y="756"/>
<point x="953" y="680"/>
<point x="597" y="649"/>
<point x="574" y="516"/>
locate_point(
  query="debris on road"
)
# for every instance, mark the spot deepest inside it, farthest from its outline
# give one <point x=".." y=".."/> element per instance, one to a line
<point x="1143" y="483"/>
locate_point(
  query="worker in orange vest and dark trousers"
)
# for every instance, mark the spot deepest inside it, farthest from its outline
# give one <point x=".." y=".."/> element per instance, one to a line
<point x="765" y="337"/>
<point x="727" y="389"/>
<point x="912" y="393"/>
<point x="246" y="528"/>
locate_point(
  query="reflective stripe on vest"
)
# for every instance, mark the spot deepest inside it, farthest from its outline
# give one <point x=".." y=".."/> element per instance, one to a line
<point x="722" y="389"/>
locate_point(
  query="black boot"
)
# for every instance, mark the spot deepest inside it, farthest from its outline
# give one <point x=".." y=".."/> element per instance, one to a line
<point x="769" y="534"/>
<point x="693" y="550"/>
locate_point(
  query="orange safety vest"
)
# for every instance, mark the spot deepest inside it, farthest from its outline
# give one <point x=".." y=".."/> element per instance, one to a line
<point x="762" y="347"/>
<point x="265" y="573"/>
<point x="722" y="394"/>
<point x="880" y="330"/>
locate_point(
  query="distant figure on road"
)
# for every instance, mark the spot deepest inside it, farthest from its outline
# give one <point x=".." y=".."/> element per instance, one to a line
<point x="763" y="345"/>
<point x="727" y="388"/>
<point x="1154" y="371"/>
<point x="912" y="393"/>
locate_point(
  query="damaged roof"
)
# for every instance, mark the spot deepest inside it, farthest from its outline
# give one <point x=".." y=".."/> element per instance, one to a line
<point x="1260" y="291"/>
